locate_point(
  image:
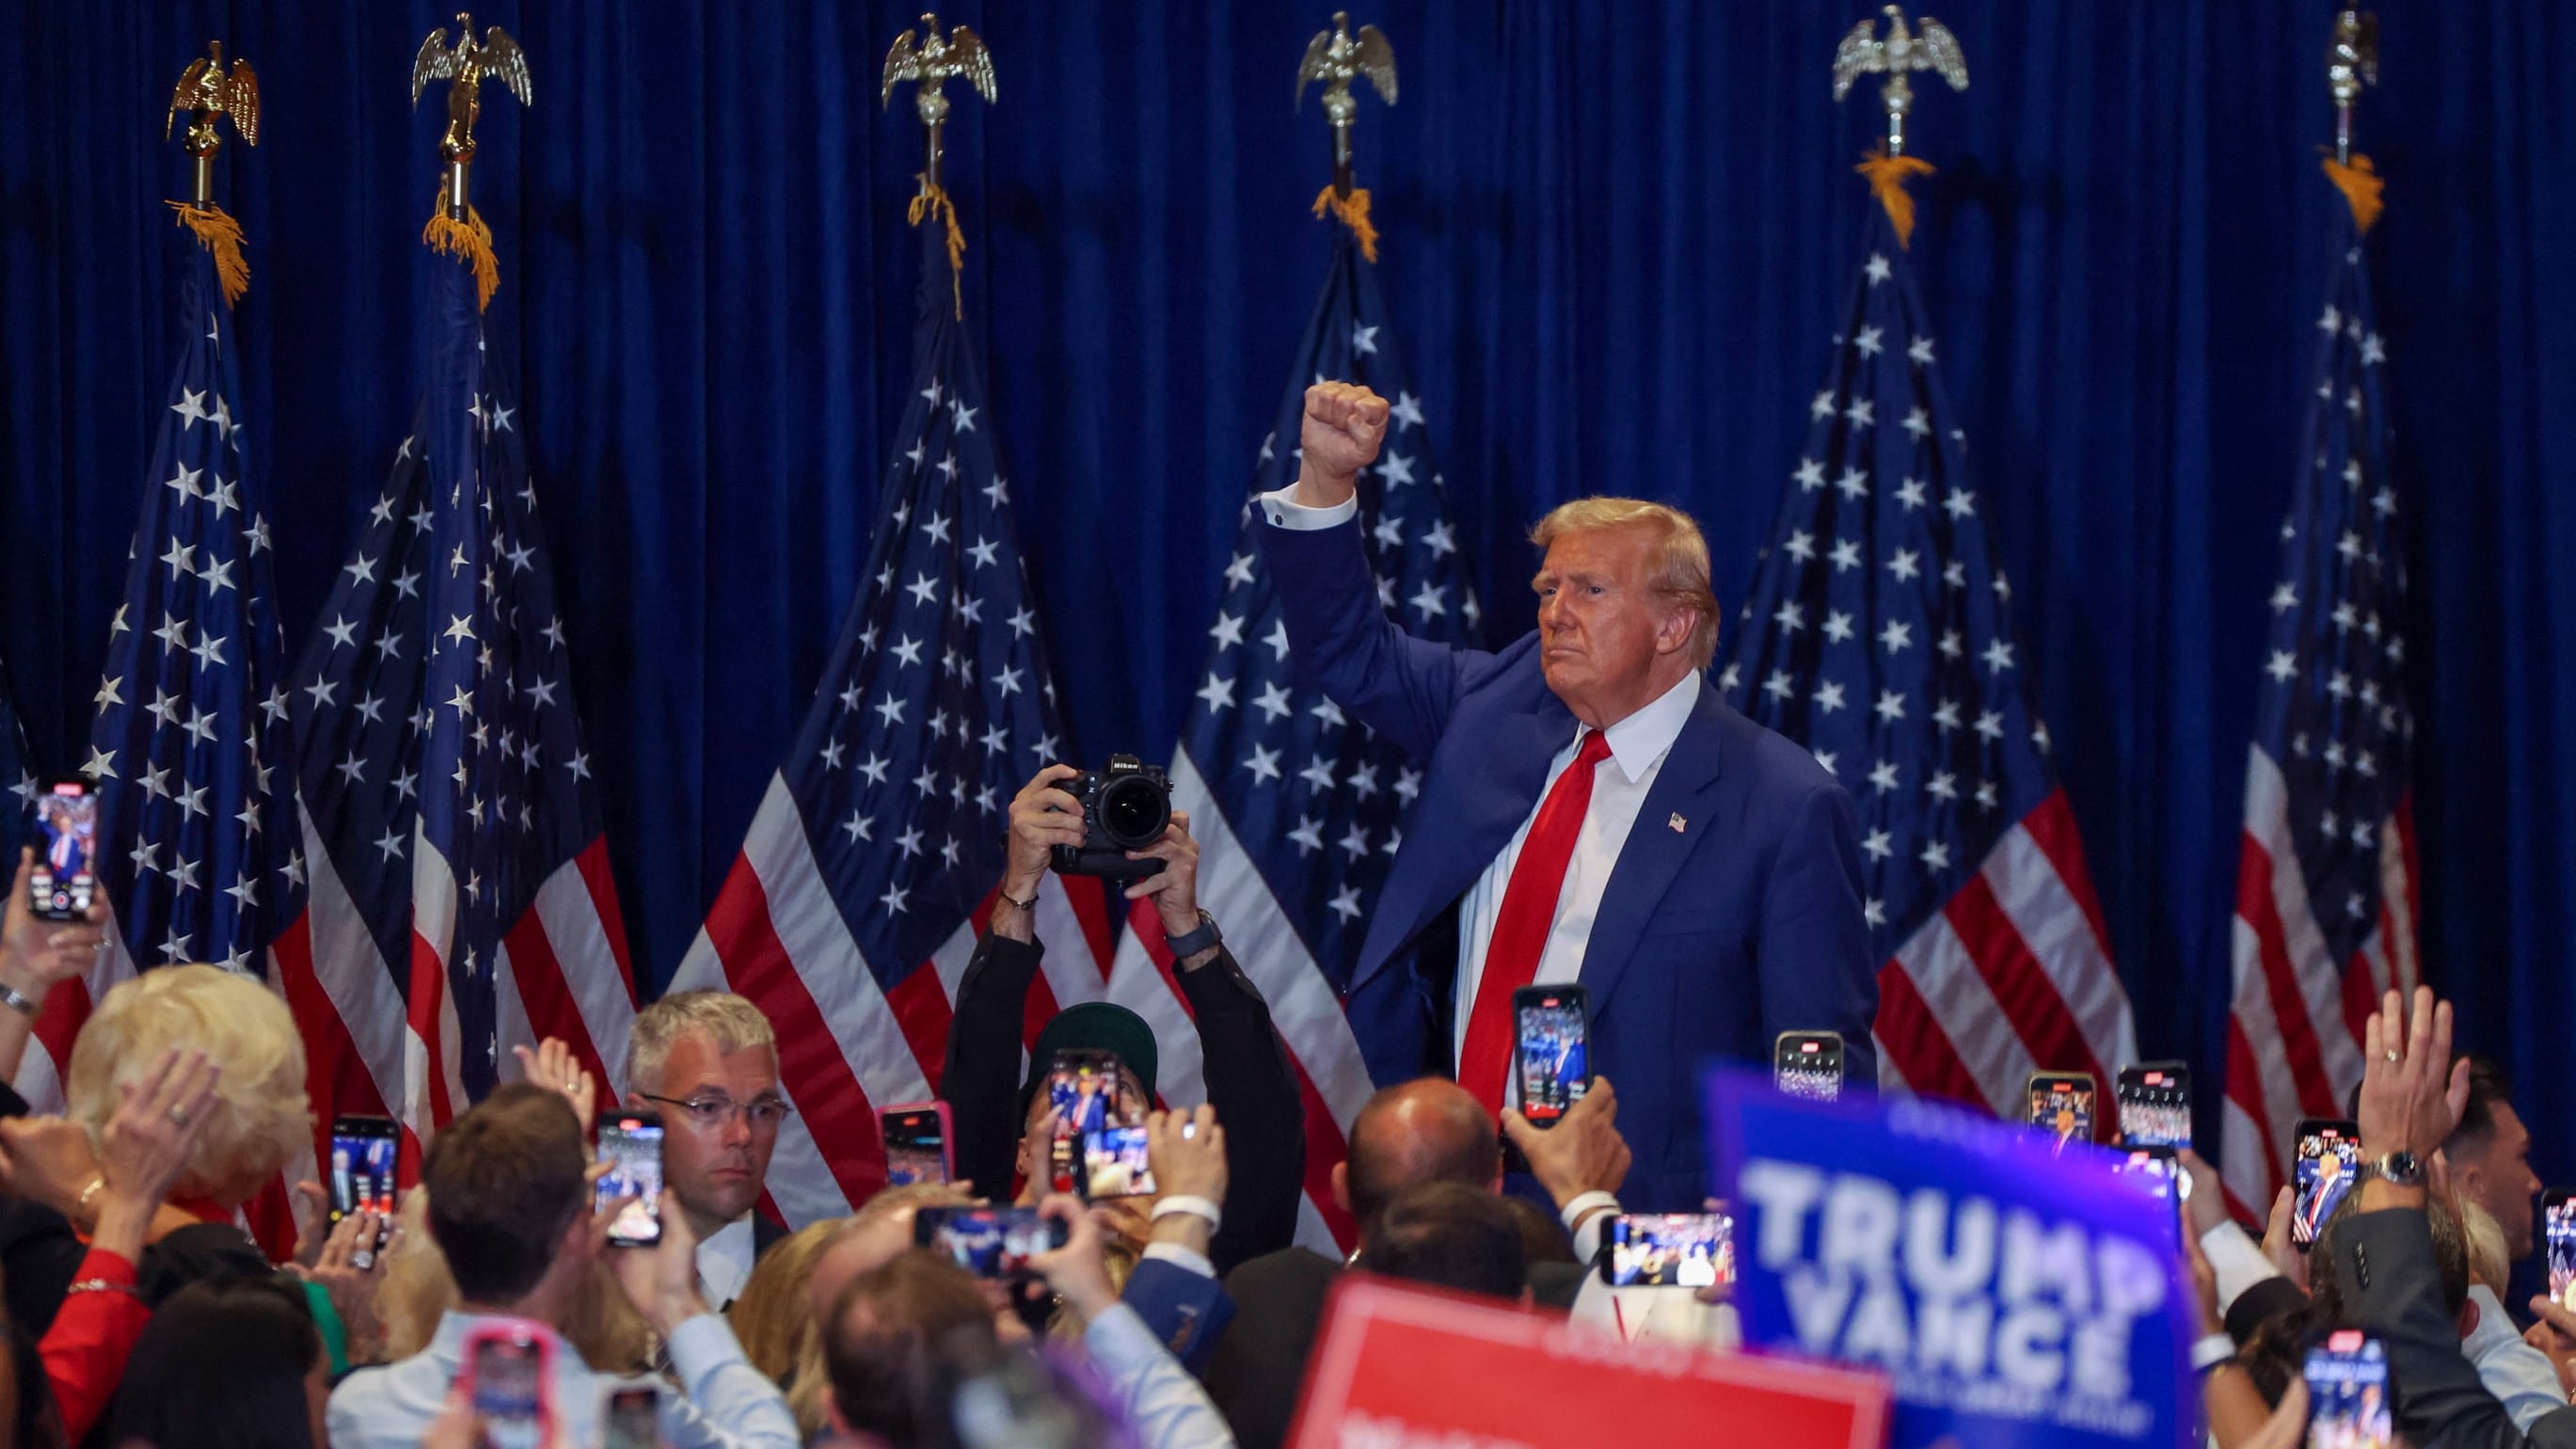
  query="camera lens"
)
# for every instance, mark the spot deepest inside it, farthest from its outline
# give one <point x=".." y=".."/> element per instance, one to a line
<point x="1133" y="812"/>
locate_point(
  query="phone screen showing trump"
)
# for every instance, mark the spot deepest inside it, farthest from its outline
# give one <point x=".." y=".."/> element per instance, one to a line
<point x="1550" y="1053"/>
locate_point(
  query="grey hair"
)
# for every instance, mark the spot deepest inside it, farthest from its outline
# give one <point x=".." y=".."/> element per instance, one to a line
<point x="729" y="1022"/>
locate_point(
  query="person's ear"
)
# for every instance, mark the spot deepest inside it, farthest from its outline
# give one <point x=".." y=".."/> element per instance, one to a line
<point x="1342" y="1186"/>
<point x="2468" y="1318"/>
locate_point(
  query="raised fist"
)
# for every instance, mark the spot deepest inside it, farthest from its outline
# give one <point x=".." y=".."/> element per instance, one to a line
<point x="1344" y="424"/>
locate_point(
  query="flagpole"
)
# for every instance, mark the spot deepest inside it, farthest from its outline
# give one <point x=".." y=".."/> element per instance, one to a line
<point x="927" y="59"/>
<point x="2352" y="62"/>
<point x="211" y="91"/>
<point x="1334" y="57"/>
<point x="1927" y="46"/>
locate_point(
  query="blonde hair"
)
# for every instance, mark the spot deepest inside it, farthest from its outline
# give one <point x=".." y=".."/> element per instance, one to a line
<point x="731" y="1023"/>
<point x="600" y="1324"/>
<point x="2489" y="1263"/>
<point x="1680" y="555"/>
<point x="260" y="1118"/>
<point x="771" y="1316"/>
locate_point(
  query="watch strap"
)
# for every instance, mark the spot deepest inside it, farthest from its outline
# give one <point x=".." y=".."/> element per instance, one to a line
<point x="1190" y="943"/>
<point x="16" y="1000"/>
<point x="2399" y="1169"/>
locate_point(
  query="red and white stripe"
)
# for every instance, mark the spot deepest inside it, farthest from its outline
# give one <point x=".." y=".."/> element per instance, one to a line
<point x="2012" y="976"/>
<point x="848" y="1047"/>
<point x="1303" y="1004"/>
<point x="2296" y="1015"/>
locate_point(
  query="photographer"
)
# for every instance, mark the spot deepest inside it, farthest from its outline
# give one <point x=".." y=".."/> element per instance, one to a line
<point x="1249" y="1080"/>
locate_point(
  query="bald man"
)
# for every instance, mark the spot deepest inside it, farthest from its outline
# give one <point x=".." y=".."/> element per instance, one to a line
<point x="1424" y="1131"/>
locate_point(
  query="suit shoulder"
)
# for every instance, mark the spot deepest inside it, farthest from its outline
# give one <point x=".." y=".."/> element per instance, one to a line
<point x="1279" y="1270"/>
<point x="1776" y="766"/>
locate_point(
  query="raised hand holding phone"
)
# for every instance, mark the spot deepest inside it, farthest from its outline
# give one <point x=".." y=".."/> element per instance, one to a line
<point x="1077" y="1271"/>
<point x="662" y="1280"/>
<point x="1582" y="1153"/>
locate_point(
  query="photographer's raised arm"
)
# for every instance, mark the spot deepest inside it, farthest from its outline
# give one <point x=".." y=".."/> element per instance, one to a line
<point x="1339" y="635"/>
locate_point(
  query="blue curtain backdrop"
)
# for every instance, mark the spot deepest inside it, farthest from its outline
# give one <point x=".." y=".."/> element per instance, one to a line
<point x="1615" y="235"/>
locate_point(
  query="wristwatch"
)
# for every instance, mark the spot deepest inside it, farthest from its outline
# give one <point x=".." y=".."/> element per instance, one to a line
<point x="1193" y="942"/>
<point x="2398" y="1169"/>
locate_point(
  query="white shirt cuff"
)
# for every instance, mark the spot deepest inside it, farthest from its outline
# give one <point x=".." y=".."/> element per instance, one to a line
<point x="1587" y="1236"/>
<point x="1284" y="511"/>
<point x="1181" y="1257"/>
<point x="2236" y="1260"/>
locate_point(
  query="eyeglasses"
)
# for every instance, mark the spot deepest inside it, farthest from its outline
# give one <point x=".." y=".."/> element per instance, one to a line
<point x="708" y="1114"/>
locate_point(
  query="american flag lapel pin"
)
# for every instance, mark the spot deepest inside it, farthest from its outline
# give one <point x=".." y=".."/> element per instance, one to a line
<point x="1678" y="823"/>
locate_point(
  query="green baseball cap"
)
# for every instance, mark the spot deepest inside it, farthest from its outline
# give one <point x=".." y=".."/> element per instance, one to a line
<point x="1100" y="1026"/>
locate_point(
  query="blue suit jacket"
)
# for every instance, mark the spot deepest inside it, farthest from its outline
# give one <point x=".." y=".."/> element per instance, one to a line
<point x="1711" y="939"/>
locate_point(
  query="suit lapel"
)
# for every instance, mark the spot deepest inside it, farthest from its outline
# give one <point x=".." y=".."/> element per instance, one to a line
<point x="1466" y="817"/>
<point x="1654" y="853"/>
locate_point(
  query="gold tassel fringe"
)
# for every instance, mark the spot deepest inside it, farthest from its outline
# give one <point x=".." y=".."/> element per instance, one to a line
<point x="933" y="201"/>
<point x="471" y="240"/>
<point x="221" y="235"/>
<point x="1353" y="210"/>
<point x="1887" y="177"/>
<point x="2360" y="184"/>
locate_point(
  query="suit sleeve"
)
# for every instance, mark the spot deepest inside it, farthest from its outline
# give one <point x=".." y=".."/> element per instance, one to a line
<point x="2384" y="1265"/>
<point x="981" y="1081"/>
<point x="1344" y="644"/>
<point x="1815" y="966"/>
<point x="1254" y="1091"/>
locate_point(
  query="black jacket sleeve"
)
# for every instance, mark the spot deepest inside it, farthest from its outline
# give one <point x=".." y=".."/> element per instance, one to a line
<point x="981" y="1080"/>
<point x="1254" y="1091"/>
<point x="2385" y="1267"/>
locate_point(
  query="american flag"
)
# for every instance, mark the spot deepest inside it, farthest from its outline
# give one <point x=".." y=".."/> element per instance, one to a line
<point x="1298" y="810"/>
<point x="867" y="874"/>
<point x="1878" y="633"/>
<point x="196" y="844"/>
<point x="2326" y="883"/>
<point x="460" y="894"/>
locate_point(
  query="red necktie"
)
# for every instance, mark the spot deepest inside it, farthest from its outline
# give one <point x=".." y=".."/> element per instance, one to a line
<point x="1521" y="928"/>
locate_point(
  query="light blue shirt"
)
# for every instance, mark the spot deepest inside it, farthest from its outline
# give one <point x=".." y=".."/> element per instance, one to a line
<point x="2519" y="1375"/>
<point x="723" y="1402"/>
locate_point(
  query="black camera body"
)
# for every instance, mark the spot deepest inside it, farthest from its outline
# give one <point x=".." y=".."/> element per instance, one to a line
<point x="1124" y="807"/>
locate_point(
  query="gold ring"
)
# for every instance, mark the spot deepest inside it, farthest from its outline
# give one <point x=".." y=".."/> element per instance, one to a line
<point x="179" y="1115"/>
<point x="2392" y="1057"/>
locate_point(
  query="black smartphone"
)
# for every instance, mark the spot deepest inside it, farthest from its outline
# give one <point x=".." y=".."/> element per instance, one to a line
<point x="2329" y="1160"/>
<point x="2558" y="1240"/>
<point x="2348" y="1405"/>
<point x="363" y="1154"/>
<point x="2155" y="1169"/>
<point x="989" y="1242"/>
<point x="2154" y="1100"/>
<point x="1551" y="1056"/>
<point x="2061" y="1103"/>
<point x="64" y="882"/>
<point x="916" y="1143"/>
<point x="634" y="1418"/>
<point x="1668" y="1250"/>
<point x="630" y="1146"/>
<point x="1115" y="1164"/>
<point x="1089" y="1091"/>
<point x="1808" y="1064"/>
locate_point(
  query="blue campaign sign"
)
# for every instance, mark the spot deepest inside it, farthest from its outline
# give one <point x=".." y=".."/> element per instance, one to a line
<point x="2013" y="1296"/>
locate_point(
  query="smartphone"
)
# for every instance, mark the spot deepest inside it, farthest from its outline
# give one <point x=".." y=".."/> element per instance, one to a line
<point x="1115" y="1164"/>
<point x="2328" y="1161"/>
<point x="2154" y="1100"/>
<point x="989" y="1242"/>
<point x="508" y="1376"/>
<point x="1089" y="1091"/>
<point x="363" y="1152"/>
<point x="630" y="1145"/>
<point x="1551" y="1057"/>
<point x="2156" y="1170"/>
<point x="1668" y="1250"/>
<point x="916" y="1137"/>
<point x="63" y="884"/>
<point x="634" y="1418"/>
<point x="2348" y="1404"/>
<point x="1808" y="1064"/>
<point x="2062" y="1103"/>
<point x="2558" y="1238"/>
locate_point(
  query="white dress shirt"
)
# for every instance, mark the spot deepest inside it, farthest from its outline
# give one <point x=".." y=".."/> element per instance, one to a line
<point x="724" y="1263"/>
<point x="2516" y="1373"/>
<point x="1638" y="745"/>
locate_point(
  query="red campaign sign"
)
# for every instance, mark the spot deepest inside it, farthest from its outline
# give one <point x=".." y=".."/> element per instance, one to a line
<point x="1400" y="1366"/>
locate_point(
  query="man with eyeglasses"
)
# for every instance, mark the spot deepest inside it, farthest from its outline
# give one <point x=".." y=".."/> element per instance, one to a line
<point x="707" y="1061"/>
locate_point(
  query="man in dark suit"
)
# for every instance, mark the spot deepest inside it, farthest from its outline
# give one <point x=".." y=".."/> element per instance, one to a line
<point x="2412" y="1096"/>
<point x="1590" y="812"/>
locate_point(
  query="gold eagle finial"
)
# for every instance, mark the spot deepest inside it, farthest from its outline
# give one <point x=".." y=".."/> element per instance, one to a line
<point x="209" y="90"/>
<point x="1335" y="57"/>
<point x="1930" y="46"/>
<point x="465" y="66"/>
<point x="2352" y="62"/>
<point x="928" y="59"/>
